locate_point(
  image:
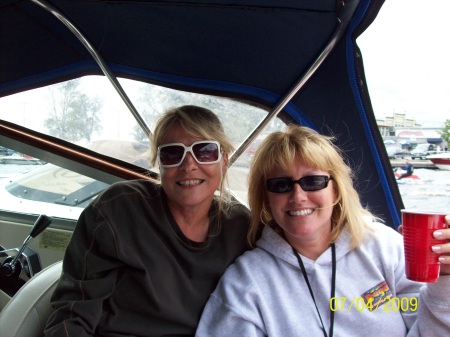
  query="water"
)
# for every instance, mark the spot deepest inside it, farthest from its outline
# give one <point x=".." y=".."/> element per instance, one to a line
<point x="432" y="192"/>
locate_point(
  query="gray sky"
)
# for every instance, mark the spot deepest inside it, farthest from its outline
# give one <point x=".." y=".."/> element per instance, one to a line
<point x="406" y="57"/>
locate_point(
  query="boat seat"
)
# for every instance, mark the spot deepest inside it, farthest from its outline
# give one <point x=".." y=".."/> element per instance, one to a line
<point x="26" y="314"/>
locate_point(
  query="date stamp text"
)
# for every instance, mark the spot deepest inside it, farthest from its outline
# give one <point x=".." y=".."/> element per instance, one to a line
<point x="392" y="304"/>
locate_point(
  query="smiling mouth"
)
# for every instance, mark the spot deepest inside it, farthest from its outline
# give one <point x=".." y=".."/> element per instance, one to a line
<point x="302" y="212"/>
<point x="190" y="182"/>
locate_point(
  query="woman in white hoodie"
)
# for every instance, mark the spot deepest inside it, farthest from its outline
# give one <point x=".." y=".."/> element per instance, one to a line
<point x="324" y="264"/>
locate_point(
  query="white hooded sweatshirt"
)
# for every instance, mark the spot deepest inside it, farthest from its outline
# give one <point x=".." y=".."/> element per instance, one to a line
<point x="264" y="293"/>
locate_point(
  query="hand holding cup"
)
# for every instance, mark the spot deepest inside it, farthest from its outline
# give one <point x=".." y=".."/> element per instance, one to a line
<point x="427" y="244"/>
<point x="443" y="249"/>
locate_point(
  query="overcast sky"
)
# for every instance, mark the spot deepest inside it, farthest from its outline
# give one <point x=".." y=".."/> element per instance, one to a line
<point x="406" y="55"/>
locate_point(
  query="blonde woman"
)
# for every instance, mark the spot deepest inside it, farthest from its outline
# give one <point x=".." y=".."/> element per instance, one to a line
<point x="145" y="257"/>
<point x="324" y="266"/>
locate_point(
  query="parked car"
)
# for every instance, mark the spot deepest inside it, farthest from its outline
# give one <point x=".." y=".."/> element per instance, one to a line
<point x="397" y="152"/>
<point x="423" y="150"/>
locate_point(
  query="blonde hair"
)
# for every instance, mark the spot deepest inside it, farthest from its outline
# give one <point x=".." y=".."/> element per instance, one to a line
<point x="199" y="123"/>
<point x="315" y="151"/>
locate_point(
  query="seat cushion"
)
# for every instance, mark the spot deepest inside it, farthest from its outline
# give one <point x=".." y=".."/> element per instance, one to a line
<point x="27" y="312"/>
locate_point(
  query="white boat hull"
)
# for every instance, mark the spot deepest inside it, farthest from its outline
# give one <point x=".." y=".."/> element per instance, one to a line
<point x="441" y="160"/>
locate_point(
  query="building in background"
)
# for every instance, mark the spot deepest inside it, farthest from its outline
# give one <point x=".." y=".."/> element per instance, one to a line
<point x="407" y="133"/>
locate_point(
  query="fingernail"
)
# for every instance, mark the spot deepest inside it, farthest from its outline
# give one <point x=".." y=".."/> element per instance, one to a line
<point x="438" y="234"/>
<point x="436" y="249"/>
<point x="441" y="259"/>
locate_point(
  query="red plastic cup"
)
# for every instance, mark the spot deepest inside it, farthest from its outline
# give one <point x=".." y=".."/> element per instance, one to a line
<point x="421" y="263"/>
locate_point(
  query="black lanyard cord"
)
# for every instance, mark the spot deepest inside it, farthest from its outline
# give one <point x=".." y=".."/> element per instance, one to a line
<point x="333" y="287"/>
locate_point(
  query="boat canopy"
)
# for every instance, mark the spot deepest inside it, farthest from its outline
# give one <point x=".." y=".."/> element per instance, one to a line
<point x="298" y="58"/>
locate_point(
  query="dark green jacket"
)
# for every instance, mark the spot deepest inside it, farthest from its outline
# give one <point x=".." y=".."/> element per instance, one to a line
<point x="130" y="271"/>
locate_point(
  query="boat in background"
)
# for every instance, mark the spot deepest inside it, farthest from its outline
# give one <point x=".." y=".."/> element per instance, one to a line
<point x="20" y="159"/>
<point x="441" y="160"/>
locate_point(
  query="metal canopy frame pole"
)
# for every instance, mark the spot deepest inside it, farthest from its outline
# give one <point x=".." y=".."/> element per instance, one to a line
<point x="286" y="99"/>
<point x="274" y="113"/>
<point x="102" y="64"/>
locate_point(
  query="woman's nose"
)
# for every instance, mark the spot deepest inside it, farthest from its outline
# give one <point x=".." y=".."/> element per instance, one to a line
<point x="297" y="194"/>
<point x="188" y="162"/>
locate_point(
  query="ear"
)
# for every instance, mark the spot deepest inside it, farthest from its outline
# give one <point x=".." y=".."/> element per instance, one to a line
<point x="334" y="190"/>
<point x="225" y="159"/>
<point x="224" y="164"/>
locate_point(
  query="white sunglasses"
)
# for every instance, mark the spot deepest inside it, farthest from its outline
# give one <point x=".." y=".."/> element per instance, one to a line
<point x="204" y="152"/>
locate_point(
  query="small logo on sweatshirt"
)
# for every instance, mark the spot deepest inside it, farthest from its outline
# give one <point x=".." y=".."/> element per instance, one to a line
<point x="377" y="296"/>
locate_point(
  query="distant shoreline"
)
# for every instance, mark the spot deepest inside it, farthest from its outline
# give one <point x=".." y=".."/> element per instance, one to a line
<point x="417" y="163"/>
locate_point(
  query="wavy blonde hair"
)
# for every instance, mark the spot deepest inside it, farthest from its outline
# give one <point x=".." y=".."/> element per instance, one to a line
<point x="317" y="151"/>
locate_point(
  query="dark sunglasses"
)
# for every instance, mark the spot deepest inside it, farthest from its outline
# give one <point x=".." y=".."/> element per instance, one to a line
<point x="204" y="152"/>
<point x="308" y="184"/>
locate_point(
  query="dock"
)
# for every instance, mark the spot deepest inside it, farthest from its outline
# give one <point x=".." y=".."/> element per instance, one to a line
<point x="417" y="163"/>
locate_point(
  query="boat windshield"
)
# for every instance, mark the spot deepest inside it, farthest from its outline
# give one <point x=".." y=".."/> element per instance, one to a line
<point x="88" y="112"/>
